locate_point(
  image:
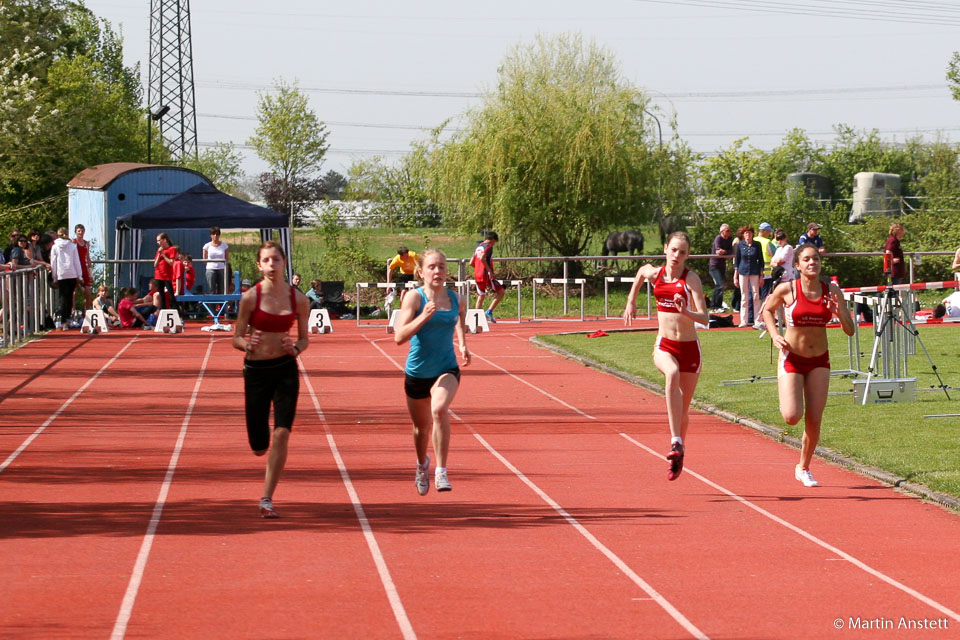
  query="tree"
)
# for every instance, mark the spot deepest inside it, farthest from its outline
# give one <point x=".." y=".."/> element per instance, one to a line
<point x="220" y="164"/>
<point x="399" y="191"/>
<point x="334" y="185"/>
<point x="292" y="196"/>
<point x="291" y="140"/>
<point x="66" y="99"/>
<point x="560" y="150"/>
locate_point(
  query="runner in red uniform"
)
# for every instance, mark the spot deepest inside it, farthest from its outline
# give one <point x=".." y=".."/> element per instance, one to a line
<point x="680" y="304"/>
<point x="803" y="372"/>
<point x="482" y="263"/>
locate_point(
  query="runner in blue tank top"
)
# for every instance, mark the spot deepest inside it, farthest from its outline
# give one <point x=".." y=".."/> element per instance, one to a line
<point x="429" y="320"/>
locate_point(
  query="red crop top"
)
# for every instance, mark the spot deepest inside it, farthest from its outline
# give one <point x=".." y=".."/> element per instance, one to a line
<point x="804" y="312"/>
<point x="664" y="291"/>
<point x="274" y="322"/>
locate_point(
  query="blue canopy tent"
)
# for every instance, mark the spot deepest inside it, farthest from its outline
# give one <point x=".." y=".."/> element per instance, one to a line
<point x="199" y="207"/>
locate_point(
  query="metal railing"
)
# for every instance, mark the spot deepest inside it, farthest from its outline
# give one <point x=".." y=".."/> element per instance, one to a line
<point x="26" y="301"/>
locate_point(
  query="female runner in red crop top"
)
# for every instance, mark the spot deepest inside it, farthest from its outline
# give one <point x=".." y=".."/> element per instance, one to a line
<point x="803" y="373"/>
<point x="270" y="367"/>
<point x="680" y="304"/>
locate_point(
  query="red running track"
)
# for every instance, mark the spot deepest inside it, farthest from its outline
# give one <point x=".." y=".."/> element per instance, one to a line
<point x="128" y="508"/>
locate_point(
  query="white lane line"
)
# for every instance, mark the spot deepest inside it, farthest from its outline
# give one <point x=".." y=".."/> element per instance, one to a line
<point x="614" y="558"/>
<point x="63" y="407"/>
<point x="388" y="585"/>
<point x="130" y="597"/>
<point x="812" y="538"/>
<point x="620" y="564"/>
<point x="535" y="387"/>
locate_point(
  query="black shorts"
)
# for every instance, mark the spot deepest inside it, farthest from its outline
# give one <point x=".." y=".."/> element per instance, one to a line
<point x="403" y="278"/>
<point x="270" y="382"/>
<point x="419" y="388"/>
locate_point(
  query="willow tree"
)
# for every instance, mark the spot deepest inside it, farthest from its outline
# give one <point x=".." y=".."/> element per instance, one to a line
<point x="562" y="148"/>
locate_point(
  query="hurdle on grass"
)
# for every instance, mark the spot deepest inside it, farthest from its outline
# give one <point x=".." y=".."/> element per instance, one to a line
<point x="897" y="341"/>
<point x="564" y="281"/>
<point x="606" y="296"/>
<point x="463" y="288"/>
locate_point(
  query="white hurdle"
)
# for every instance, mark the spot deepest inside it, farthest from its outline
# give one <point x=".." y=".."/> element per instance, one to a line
<point x="94" y="321"/>
<point x="464" y="287"/>
<point x="168" y="321"/>
<point x="377" y="285"/>
<point x="564" y="281"/>
<point x="320" y="321"/>
<point x="606" y="296"/>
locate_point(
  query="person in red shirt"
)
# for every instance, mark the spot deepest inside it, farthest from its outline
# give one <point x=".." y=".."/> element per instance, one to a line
<point x="163" y="270"/>
<point x="483" y="275"/>
<point x="897" y="268"/>
<point x="184" y="275"/>
<point x="132" y="316"/>
<point x="86" y="265"/>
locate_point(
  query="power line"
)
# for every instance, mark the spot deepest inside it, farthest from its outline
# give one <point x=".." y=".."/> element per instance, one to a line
<point x="805" y="9"/>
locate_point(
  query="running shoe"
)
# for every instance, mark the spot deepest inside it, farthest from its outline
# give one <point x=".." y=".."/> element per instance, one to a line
<point x="675" y="458"/>
<point x="267" y="510"/>
<point x="422" y="479"/>
<point x="441" y="480"/>
<point x="804" y="476"/>
<point x="489" y="315"/>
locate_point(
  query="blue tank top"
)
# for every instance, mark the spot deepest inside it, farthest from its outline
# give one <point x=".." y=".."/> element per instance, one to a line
<point x="431" y="348"/>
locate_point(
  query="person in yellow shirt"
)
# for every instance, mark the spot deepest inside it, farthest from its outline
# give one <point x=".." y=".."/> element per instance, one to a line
<point x="406" y="262"/>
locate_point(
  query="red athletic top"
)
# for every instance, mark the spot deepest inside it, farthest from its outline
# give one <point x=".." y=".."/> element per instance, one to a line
<point x="804" y="312"/>
<point x="164" y="270"/>
<point x="274" y="322"/>
<point x="83" y="252"/>
<point x="664" y="291"/>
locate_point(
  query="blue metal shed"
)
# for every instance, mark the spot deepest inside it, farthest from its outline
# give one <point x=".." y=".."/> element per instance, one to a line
<point x="97" y="196"/>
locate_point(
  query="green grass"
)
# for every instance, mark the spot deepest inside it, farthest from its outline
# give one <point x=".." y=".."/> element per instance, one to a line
<point x="895" y="437"/>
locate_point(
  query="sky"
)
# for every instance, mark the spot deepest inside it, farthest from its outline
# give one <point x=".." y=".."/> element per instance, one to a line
<point x="378" y="73"/>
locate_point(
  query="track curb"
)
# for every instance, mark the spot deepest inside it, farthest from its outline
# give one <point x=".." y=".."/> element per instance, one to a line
<point x="770" y="431"/>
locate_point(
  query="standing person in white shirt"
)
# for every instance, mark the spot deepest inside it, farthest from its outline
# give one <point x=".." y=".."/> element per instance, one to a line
<point x="216" y="250"/>
<point x="66" y="271"/>
<point x="783" y="257"/>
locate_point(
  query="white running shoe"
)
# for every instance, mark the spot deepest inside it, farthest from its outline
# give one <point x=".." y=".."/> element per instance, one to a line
<point x="441" y="480"/>
<point x="422" y="479"/>
<point x="804" y="476"/>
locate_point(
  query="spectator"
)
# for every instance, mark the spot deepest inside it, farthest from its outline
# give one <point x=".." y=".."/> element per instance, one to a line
<point x="35" y="236"/>
<point x="245" y="286"/>
<point x="956" y="266"/>
<point x="103" y="303"/>
<point x="153" y="298"/>
<point x="184" y="275"/>
<point x="216" y="250"/>
<point x="163" y="270"/>
<point x="783" y="257"/>
<point x="812" y="236"/>
<point x="949" y="306"/>
<point x="86" y="265"/>
<point x="765" y="238"/>
<point x="897" y="270"/>
<point x="13" y="243"/>
<point x="46" y="247"/>
<point x="20" y="254"/>
<point x="735" y="298"/>
<point x="295" y="281"/>
<point x="747" y="268"/>
<point x="131" y="315"/>
<point x="315" y="295"/>
<point x="722" y="246"/>
<point x="66" y="271"/>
